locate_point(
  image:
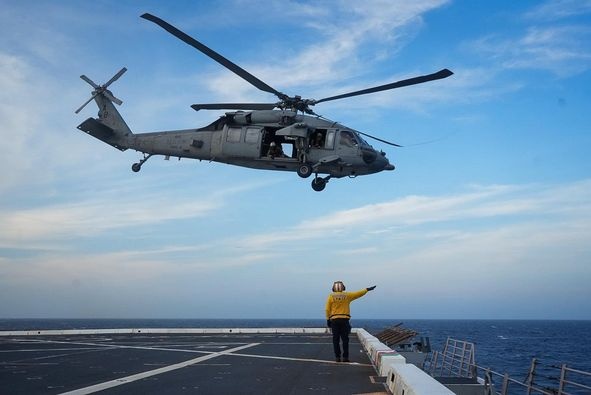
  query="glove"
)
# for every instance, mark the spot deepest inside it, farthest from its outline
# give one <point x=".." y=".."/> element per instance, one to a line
<point x="328" y="323"/>
<point x="371" y="288"/>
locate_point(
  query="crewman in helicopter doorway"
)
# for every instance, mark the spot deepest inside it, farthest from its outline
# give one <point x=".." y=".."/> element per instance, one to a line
<point x="338" y="315"/>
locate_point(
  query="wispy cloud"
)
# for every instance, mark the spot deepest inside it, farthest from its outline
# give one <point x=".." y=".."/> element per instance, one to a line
<point x="492" y="203"/>
<point x="108" y="210"/>
<point x="17" y="123"/>
<point x="83" y="219"/>
<point x="561" y="50"/>
<point x="552" y="39"/>
<point x="558" y="9"/>
<point x="337" y="52"/>
<point x="493" y="235"/>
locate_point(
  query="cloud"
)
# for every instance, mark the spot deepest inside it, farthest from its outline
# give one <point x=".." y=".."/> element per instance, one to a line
<point x="83" y="216"/>
<point x="36" y="127"/>
<point x="487" y="237"/>
<point x="466" y="86"/>
<point x="18" y="121"/>
<point x="337" y="51"/>
<point x="559" y="9"/>
<point x="552" y="40"/>
<point x="482" y="205"/>
<point x="561" y="50"/>
<point x="90" y="217"/>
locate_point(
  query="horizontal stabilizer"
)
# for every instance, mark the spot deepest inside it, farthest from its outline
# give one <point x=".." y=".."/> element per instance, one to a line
<point x="101" y="131"/>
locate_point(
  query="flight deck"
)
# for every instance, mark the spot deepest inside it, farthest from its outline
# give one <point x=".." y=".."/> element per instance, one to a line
<point x="265" y="361"/>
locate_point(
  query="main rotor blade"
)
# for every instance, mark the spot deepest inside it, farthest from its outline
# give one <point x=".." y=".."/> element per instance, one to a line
<point x="378" y="139"/>
<point x="234" y="106"/>
<point x="399" y="84"/>
<point x="214" y="55"/>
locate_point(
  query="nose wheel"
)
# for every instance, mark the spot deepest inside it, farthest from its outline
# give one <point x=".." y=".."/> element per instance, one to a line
<point x="138" y="166"/>
<point x="319" y="183"/>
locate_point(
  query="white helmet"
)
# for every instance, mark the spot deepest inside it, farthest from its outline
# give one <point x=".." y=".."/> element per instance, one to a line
<point x="338" y="286"/>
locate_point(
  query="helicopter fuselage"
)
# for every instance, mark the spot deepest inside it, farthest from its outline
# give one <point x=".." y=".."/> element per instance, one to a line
<point x="246" y="139"/>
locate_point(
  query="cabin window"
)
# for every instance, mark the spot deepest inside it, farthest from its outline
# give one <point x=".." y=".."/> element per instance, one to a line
<point x="317" y="139"/>
<point x="329" y="139"/>
<point x="322" y="138"/>
<point x="234" y="135"/>
<point x="252" y="135"/>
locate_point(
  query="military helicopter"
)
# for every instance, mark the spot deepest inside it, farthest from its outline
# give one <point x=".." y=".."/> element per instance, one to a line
<point x="285" y="135"/>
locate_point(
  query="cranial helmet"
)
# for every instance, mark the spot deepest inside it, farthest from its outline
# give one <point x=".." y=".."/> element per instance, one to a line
<point x="338" y="286"/>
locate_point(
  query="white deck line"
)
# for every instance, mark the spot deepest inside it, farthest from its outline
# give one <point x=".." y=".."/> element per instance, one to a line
<point x="143" y="375"/>
<point x="324" y="361"/>
<point x="110" y="346"/>
<point x="59" y="332"/>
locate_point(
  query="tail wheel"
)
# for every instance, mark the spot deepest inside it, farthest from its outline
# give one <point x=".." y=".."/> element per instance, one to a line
<point x="138" y="166"/>
<point x="305" y="171"/>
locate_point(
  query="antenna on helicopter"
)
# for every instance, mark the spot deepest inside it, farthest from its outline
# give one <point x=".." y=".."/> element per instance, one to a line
<point x="102" y="89"/>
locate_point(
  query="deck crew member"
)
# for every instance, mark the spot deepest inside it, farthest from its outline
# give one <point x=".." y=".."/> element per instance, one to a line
<point x="337" y="317"/>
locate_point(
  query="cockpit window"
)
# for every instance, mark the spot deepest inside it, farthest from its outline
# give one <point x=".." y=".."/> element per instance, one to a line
<point x="348" y="139"/>
<point x="363" y="142"/>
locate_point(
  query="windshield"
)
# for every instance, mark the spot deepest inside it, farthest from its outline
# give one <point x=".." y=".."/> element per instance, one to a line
<point x="363" y="142"/>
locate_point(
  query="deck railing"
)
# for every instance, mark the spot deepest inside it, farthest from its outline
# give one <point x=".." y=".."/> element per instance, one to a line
<point x="457" y="360"/>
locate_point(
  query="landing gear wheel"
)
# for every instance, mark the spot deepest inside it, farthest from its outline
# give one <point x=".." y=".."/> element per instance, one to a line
<point x="305" y="171"/>
<point x="138" y="166"/>
<point x="318" y="184"/>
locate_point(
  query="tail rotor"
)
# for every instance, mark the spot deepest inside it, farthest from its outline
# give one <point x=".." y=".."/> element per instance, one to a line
<point x="102" y="89"/>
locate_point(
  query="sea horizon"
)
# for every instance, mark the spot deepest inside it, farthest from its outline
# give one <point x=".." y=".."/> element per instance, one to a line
<point x="293" y="319"/>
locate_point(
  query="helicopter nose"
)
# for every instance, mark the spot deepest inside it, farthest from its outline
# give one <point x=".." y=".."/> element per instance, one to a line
<point x="382" y="163"/>
<point x="386" y="163"/>
<point x="368" y="155"/>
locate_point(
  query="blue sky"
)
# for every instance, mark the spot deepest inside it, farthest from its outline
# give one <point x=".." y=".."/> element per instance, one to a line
<point x="487" y="215"/>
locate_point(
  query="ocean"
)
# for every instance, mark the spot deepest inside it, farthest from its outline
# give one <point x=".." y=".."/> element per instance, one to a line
<point x="504" y="346"/>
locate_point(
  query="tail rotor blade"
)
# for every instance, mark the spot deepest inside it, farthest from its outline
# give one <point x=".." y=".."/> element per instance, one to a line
<point x="102" y="89"/>
<point x="89" y="81"/>
<point x="85" y="103"/>
<point x="110" y="96"/>
<point x="115" y="77"/>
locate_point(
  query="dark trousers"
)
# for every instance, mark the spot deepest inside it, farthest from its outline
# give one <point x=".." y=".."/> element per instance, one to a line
<point x="340" y="332"/>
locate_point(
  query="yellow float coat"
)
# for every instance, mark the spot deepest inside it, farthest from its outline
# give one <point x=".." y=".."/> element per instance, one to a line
<point x="337" y="305"/>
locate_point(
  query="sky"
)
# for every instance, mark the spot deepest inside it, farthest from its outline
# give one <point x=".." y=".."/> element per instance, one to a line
<point x="487" y="215"/>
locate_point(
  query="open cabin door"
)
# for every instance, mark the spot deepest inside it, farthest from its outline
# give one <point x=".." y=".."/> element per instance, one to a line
<point x="298" y="135"/>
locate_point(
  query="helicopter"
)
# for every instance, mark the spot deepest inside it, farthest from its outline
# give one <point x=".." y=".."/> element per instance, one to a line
<point x="285" y="135"/>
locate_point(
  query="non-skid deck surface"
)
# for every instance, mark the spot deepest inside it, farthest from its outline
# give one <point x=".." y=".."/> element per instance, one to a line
<point x="182" y="363"/>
